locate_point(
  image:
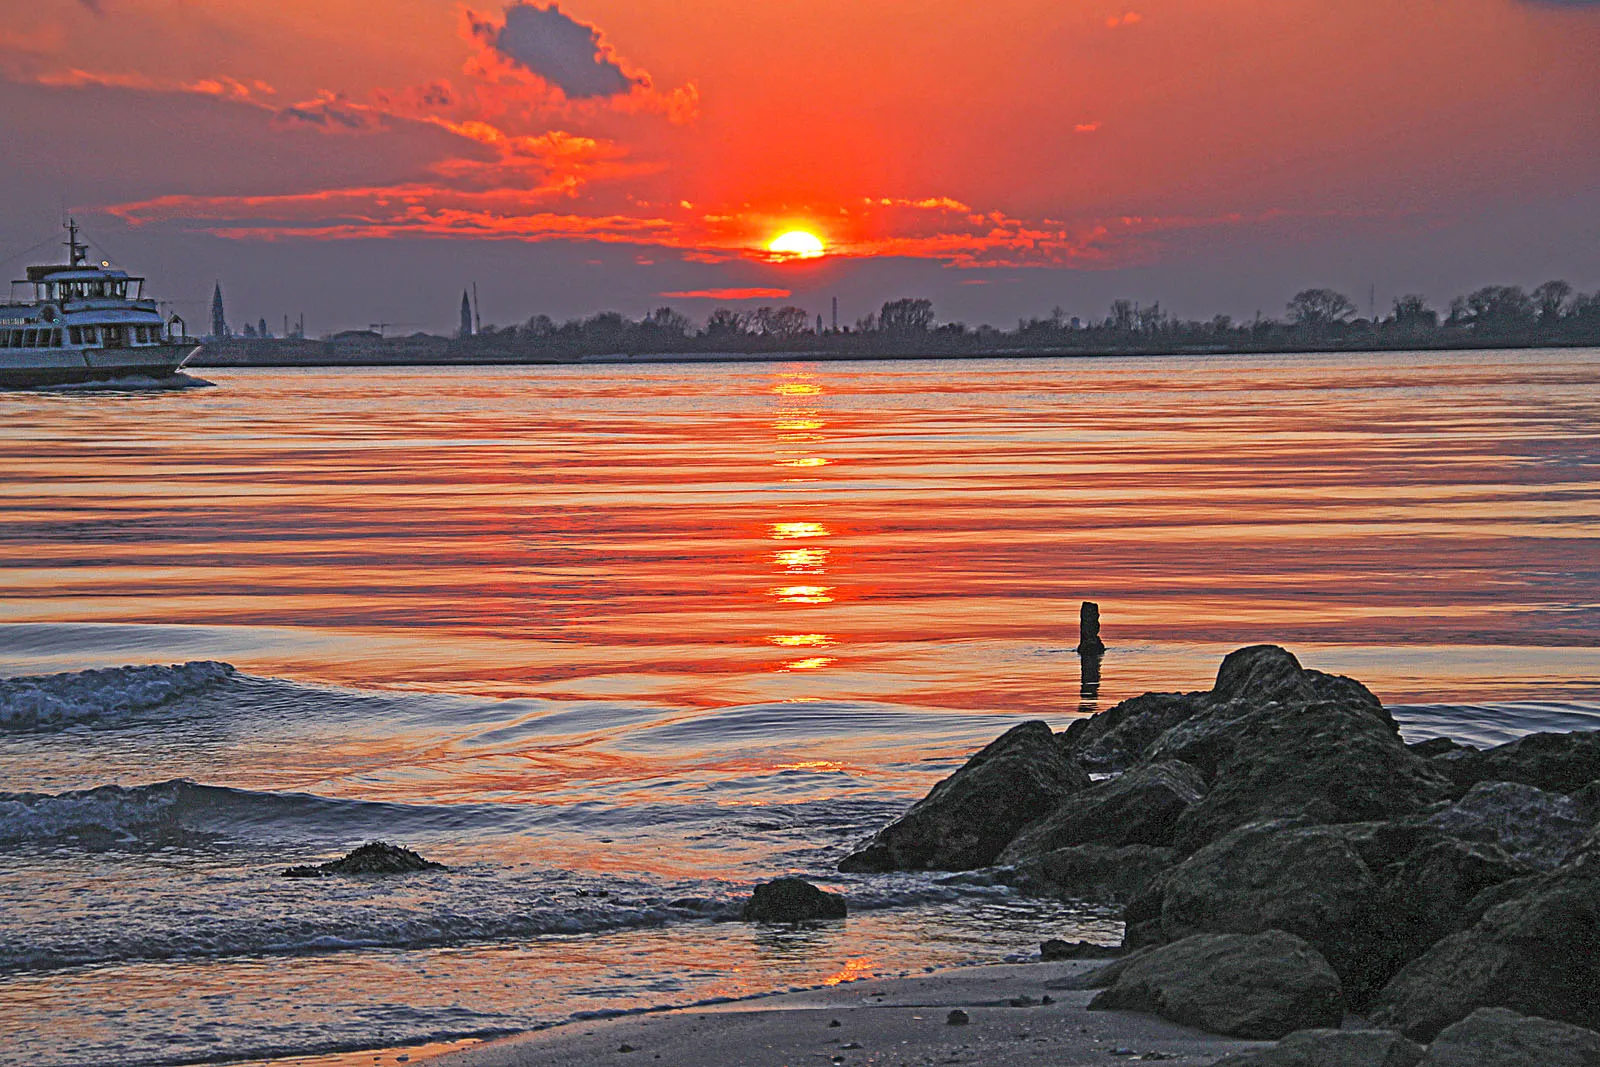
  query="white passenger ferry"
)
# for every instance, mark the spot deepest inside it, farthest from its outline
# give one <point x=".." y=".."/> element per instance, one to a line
<point x="87" y="323"/>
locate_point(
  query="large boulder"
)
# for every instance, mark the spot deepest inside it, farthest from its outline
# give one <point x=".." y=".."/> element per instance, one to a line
<point x="1307" y="881"/>
<point x="1332" y="1048"/>
<point x="1557" y="763"/>
<point x="1537" y="952"/>
<point x="1536" y="827"/>
<point x="1118" y="737"/>
<point x="1495" y="1037"/>
<point x="792" y="900"/>
<point x="1093" y="872"/>
<point x="969" y="818"/>
<point x="1321" y="763"/>
<point x="1139" y="807"/>
<point x="1369" y="897"/>
<point x="1252" y="677"/>
<point x="1268" y="674"/>
<point x="1259" y="986"/>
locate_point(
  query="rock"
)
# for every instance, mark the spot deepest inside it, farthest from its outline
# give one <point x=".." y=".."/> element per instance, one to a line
<point x="1495" y="1037"/>
<point x="1533" y="826"/>
<point x="1259" y="986"/>
<point x="1537" y="952"/>
<point x="1117" y="738"/>
<point x="791" y="900"/>
<point x="1093" y="872"/>
<point x="1077" y="950"/>
<point x="1140" y="807"/>
<point x="1307" y="881"/>
<point x="1320" y="763"/>
<point x="1556" y="763"/>
<point x="969" y="818"/>
<point x="1332" y="1048"/>
<point x="1436" y="747"/>
<point x="1432" y="893"/>
<point x="957" y="1017"/>
<point x="1249" y="678"/>
<point x="1268" y="674"/>
<point x="1369" y="897"/>
<point x="375" y="857"/>
<point x="1587" y="800"/>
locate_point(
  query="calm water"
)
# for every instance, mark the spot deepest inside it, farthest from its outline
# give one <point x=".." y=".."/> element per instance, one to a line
<point x="614" y="642"/>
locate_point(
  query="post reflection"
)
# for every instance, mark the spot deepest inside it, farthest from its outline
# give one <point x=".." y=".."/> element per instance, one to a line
<point x="1088" y="683"/>
<point x="797" y="429"/>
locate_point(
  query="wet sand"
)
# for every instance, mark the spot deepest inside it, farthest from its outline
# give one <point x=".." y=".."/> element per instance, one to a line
<point x="885" y="1022"/>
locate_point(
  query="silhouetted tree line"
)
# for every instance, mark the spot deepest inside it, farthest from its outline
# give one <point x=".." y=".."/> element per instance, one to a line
<point x="1316" y="319"/>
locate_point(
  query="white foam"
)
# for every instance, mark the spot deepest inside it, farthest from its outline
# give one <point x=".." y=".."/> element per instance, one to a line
<point x="107" y="814"/>
<point x="100" y="697"/>
<point x="132" y="383"/>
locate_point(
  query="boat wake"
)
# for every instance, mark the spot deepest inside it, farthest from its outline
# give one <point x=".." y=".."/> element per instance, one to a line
<point x="133" y="383"/>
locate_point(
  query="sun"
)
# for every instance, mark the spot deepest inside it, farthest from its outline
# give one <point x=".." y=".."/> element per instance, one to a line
<point x="798" y="244"/>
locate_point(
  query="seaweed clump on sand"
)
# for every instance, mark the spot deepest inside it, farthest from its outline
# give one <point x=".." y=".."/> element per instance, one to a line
<point x="375" y="857"/>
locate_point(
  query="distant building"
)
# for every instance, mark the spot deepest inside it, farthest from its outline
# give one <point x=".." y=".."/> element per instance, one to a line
<point x="219" y="320"/>
<point x="466" y="315"/>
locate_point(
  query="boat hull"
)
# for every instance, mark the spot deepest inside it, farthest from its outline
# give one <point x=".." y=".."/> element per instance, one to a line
<point x="22" y="368"/>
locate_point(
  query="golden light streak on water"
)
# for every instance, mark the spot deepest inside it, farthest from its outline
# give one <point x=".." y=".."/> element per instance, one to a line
<point x="788" y="531"/>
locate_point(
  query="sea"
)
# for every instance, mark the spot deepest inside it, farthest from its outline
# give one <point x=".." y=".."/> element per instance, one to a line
<point x="617" y="642"/>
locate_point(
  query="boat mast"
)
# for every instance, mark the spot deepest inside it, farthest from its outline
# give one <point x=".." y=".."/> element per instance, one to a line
<point x="77" y="251"/>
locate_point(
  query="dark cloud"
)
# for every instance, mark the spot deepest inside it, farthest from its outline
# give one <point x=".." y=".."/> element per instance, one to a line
<point x="332" y="112"/>
<point x="93" y="5"/>
<point x="563" y="51"/>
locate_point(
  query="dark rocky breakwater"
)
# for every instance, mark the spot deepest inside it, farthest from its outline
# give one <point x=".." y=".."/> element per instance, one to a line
<point x="1285" y="860"/>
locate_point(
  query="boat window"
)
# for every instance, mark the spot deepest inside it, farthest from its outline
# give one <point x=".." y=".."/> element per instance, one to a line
<point x="55" y="338"/>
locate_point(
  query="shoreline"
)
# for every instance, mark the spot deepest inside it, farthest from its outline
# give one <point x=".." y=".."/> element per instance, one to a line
<point x="245" y="360"/>
<point x="881" y="1021"/>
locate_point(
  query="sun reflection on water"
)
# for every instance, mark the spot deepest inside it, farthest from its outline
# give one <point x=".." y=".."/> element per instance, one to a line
<point x="855" y="968"/>
<point x="804" y="594"/>
<point x="800" y="640"/>
<point x="801" y="560"/>
<point x="790" y="531"/>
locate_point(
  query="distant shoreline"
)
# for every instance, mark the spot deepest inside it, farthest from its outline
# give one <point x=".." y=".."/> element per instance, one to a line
<point x="326" y="354"/>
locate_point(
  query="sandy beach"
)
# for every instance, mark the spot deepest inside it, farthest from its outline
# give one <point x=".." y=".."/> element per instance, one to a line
<point x="889" y="1022"/>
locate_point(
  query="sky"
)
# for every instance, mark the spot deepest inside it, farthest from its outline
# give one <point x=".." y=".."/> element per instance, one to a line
<point x="360" y="161"/>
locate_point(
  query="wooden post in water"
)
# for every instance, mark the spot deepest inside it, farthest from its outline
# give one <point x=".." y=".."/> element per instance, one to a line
<point x="1089" y="643"/>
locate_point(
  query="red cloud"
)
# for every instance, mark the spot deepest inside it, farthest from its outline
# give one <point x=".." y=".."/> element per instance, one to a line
<point x="729" y="294"/>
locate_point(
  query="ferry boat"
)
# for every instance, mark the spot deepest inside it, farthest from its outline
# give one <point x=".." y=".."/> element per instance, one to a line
<point x="87" y="323"/>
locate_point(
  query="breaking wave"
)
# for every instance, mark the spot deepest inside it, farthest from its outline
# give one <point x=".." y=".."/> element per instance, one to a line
<point x="105" y="697"/>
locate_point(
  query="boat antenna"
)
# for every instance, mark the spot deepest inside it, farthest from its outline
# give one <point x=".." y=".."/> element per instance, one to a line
<point x="78" y="252"/>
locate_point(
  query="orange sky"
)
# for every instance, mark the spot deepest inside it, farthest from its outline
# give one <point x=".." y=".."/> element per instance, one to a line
<point x="1027" y="145"/>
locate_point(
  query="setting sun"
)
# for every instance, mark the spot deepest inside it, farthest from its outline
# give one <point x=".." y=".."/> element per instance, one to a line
<point x="797" y="243"/>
